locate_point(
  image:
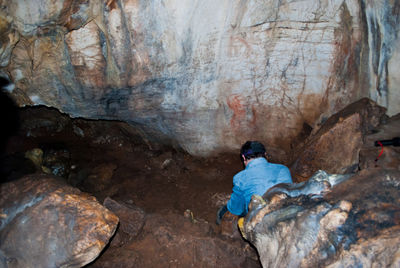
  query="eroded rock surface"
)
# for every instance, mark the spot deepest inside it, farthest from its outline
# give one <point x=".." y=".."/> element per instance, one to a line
<point x="45" y="223"/>
<point x="203" y="78"/>
<point x="356" y="223"/>
<point x="336" y="145"/>
<point x="131" y="217"/>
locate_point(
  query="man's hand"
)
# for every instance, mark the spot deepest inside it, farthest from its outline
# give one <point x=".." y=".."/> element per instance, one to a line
<point x="220" y="214"/>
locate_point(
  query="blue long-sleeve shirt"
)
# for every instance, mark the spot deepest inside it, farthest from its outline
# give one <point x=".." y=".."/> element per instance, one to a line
<point x="258" y="176"/>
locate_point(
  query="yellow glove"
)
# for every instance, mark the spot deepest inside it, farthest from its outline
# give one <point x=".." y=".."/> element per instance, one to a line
<point x="241" y="226"/>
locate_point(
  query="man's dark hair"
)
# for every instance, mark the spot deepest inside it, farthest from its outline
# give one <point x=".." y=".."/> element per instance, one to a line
<point x="252" y="149"/>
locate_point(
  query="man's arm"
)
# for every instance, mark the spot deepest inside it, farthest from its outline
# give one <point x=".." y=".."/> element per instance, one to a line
<point x="237" y="204"/>
<point x="284" y="175"/>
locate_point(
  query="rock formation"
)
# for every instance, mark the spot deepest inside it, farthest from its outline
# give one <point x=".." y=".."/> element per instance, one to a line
<point x="335" y="220"/>
<point x="46" y="223"/>
<point x="131" y="217"/>
<point x="336" y="146"/>
<point x="203" y="76"/>
<point x="205" y="79"/>
<point x="356" y="223"/>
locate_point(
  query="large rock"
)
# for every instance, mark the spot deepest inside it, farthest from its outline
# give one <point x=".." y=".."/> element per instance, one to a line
<point x="203" y="78"/>
<point x="335" y="147"/>
<point x="356" y="223"/>
<point x="131" y="217"/>
<point x="45" y="223"/>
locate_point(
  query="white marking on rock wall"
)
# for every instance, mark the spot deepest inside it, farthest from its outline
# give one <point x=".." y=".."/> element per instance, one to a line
<point x="10" y="87"/>
<point x="36" y="99"/>
<point x="31" y="14"/>
<point x="18" y="75"/>
<point x="84" y="44"/>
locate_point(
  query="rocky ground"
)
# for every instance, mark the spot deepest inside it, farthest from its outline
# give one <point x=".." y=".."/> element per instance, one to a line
<point x="166" y="200"/>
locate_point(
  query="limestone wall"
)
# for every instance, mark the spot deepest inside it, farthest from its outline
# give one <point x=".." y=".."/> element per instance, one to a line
<point x="202" y="74"/>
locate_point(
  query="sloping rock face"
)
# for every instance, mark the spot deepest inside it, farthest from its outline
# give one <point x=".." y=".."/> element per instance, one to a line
<point x="202" y="75"/>
<point x="45" y="223"/>
<point x="355" y="224"/>
<point x="336" y="146"/>
<point x="131" y="217"/>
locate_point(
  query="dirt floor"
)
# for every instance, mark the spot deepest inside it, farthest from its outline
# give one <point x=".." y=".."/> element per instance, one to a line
<point x="159" y="181"/>
<point x="162" y="181"/>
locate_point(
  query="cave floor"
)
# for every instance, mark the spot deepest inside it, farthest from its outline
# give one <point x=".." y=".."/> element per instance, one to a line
<point x="163" y="182"/>
<point x="155" y="180"/>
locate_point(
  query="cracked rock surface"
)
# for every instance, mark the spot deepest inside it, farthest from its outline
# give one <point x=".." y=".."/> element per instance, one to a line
<point x="46" y="223"/>
<point x="204" y="79"/>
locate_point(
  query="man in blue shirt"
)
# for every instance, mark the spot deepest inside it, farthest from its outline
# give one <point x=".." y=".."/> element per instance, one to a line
<point x="258" y="176"/>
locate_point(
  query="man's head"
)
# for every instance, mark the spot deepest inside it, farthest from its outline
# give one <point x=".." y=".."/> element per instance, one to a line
<point x="251" y="150"/>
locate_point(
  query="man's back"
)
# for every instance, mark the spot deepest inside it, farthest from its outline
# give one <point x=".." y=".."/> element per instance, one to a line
<point x="257" y="177"/>
<point x="260" y="175"/>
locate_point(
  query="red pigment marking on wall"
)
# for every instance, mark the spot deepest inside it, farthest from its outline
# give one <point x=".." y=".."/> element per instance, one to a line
<point x="244" y="42"/>
<point x="234" y="45"/>
<point x="238" y="109"/>
<point x="111" y="4"/>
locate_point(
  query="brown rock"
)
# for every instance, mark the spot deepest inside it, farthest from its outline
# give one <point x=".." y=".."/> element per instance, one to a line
<point x="131" y="218"/>
<point x="100" y="177"/>
<point x="336" y="145"/>
<point x="45" y="223"/>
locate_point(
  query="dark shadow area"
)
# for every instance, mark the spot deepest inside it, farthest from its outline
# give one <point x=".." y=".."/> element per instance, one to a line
<point x="10" y="165"/>
<point x="9" y="115"/>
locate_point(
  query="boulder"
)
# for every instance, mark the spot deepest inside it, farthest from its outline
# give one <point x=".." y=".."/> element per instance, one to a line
<point x="335" y="146"/>
<point x="46" y="223"/>
<point x="131" y="217"/>
<point x="355" y="223"/>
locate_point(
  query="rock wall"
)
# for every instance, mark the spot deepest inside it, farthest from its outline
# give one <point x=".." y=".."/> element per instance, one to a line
<point x="202" y="75"/>
<point x="354" y="224"/>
